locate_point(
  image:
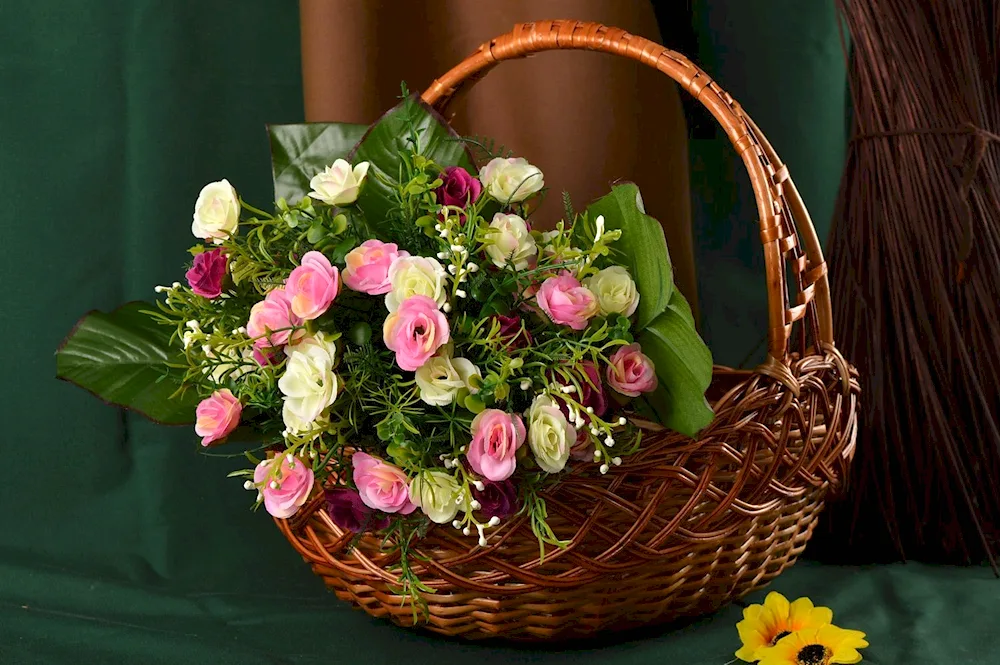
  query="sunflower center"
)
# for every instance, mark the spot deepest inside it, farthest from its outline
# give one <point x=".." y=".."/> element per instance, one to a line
<point x="779" y="636"/>
<point x="813" y="654"/>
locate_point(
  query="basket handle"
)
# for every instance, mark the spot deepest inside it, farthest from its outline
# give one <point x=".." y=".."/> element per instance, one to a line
<point x="778" y="202"/>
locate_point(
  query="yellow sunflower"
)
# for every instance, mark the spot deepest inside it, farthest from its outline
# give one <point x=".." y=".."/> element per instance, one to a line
<point x="764" y="625"/>
<point x="827" y="645"/>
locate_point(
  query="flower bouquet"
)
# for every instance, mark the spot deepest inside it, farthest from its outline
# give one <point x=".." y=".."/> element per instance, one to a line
<point x="462" y="415"/>
<point x="400" y="338"/>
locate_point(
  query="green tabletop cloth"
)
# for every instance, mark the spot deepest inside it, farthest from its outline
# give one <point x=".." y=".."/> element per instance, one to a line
<point x="120" y="544"/>
<point x="913" y="614"/>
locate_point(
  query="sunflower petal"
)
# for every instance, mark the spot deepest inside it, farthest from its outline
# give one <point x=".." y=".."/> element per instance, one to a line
<point x="803" y="614"/>
<point x="778" y="605"/>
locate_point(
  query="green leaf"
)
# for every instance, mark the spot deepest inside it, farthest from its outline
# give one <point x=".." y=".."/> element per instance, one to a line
<point x="298" y="152"/>
<point x="642" y="248"/>
<point x="388" y="138"/>
<point x="316" y="232"/>
<point x="121" y="357"/>
<point x="683" y="367"/>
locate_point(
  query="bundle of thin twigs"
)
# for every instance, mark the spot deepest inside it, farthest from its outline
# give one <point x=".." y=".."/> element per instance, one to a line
<point x="915" y="266"/>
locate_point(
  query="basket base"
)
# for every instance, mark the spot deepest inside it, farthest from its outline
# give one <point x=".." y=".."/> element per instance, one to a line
<point x="656" y="595"/>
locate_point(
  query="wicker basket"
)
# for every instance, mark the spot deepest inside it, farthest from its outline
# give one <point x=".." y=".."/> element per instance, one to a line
<point x="684" y="526"/>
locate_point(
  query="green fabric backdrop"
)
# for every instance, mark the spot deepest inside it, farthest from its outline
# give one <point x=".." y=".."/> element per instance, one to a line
<point x="120" y="544"/>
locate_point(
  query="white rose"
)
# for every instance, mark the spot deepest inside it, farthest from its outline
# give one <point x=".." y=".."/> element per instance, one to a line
<point x="435" y="492"/>
<point x="510" y="241"/>
<point x="415" y="276"/>
<point x="441" y="377"/>
<point x="511" y="180"/>
<point x="216" y="212"/>
<point x="308" y="383"/>
<point x="338" y="184"/>
<point x="550" y="435"/>
<point x="615" y="291"/>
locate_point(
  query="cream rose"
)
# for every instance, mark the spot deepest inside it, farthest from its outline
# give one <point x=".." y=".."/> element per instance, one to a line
<point x="615" y="291"/>
<point x="511" y="180"/>
<point x="435" y="493"/>
<point x="216" y="212"/>
<point x="415" y="276"/>
<point x="550" y="435"/>
<point x="510" y="242"/>
<point x="441" y="377"/>
<point x="338" y="184"/>
<point x="308" y="383"/>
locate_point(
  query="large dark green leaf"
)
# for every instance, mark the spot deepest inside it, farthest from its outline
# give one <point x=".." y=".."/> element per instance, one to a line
<point x="683" y="367"/>
<point x="298" y="152"/>
<point x="392" y="135"/>
<point x="122" y="358"/>
<point x="642" y="248"/>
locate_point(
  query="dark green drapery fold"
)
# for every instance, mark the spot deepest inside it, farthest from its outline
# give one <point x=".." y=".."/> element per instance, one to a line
<point x="782" y="61"/>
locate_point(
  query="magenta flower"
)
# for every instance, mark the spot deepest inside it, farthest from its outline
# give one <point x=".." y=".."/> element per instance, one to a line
<point x="350" y="513"/>
<point x="497" y="499"/>
<point x="458" y="188"/>
<point x="207" y="273"/>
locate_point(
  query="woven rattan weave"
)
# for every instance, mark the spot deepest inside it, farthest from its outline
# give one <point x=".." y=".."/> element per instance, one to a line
<point x="684" y="526"/>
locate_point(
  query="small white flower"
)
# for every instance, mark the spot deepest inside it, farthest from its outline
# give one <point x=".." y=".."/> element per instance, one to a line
<point x="525" y="384"/>
<point x="511" y="180"/>
<point x="621" y="420"/>
<point x="494" y="521"/>
<point x="617" y="461"/>
<point x="475" y="505"/>
<point x="338" y="184"/>
<point x="604" y="469"/>
<point x="510" y="241"/>
<point x="599" y="223"/>
<point x="459" y="293"/>
<point x="248" y="485"/>
<point x="216" y="212"/>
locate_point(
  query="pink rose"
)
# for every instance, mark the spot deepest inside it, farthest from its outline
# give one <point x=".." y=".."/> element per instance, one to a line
<point x="285" y="489"/>
<point x="631" y="372"/>
<point x="415" y="331"/>
<point x="496" y="436"/>
<point x="206" y="275"/>
<point x="381" y="485"/>
<point x="217" y="416"/>
<point x="367" y="268"/>
<point x="272" y="319"/>
<point x="312" y="286"/>
<point x="566" y="301"/>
